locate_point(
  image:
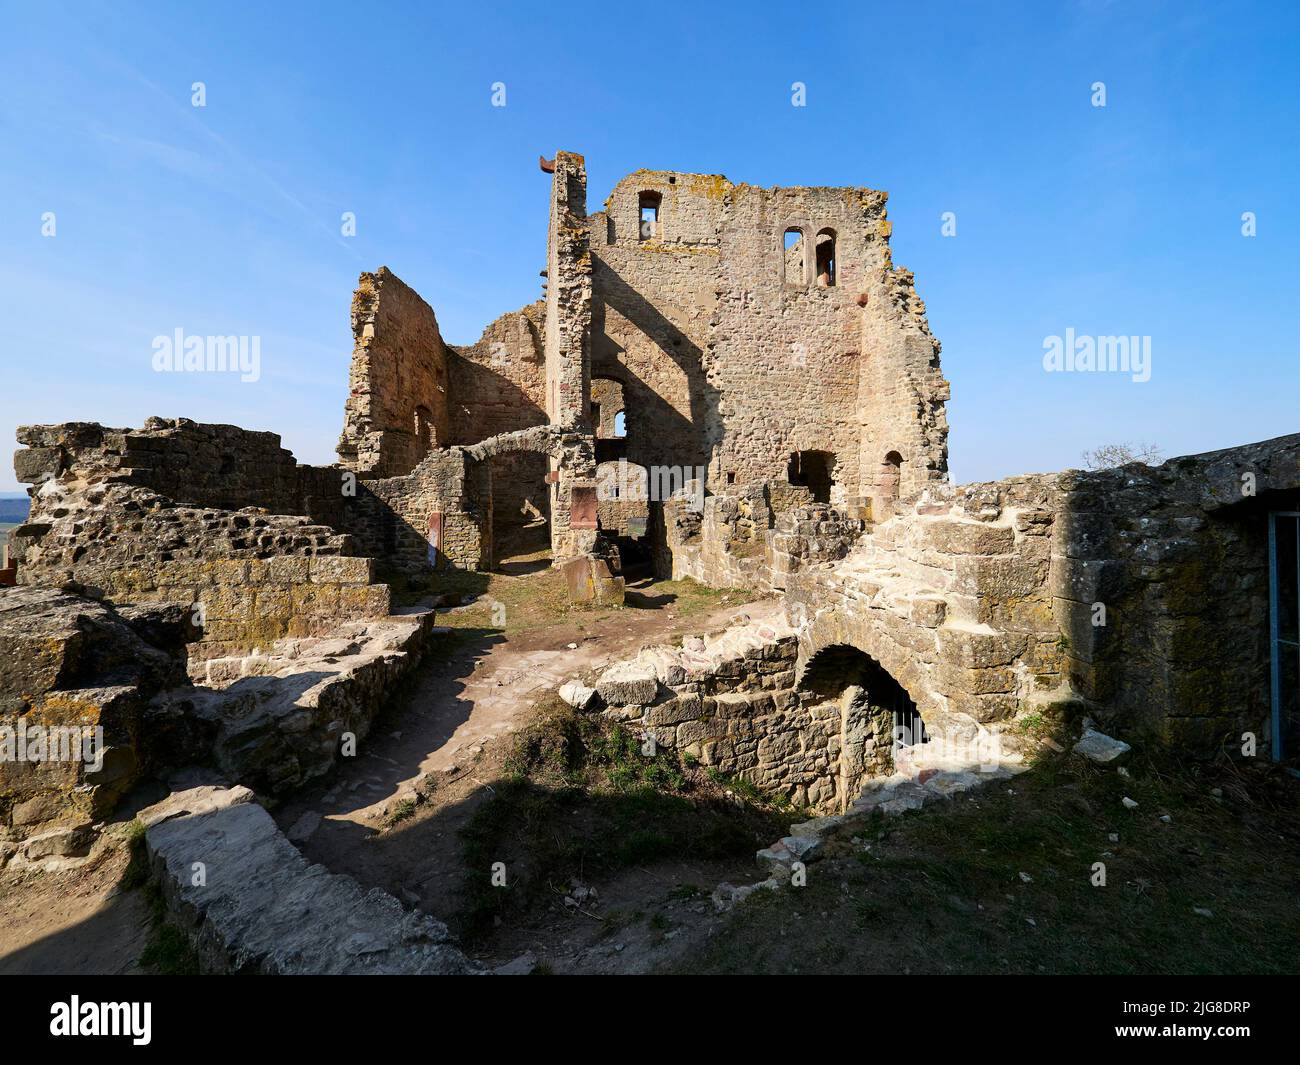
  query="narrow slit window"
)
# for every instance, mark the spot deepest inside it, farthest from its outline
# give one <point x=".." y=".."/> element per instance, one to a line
<point x="793" y="248"/>
<point x="826" y="264"/>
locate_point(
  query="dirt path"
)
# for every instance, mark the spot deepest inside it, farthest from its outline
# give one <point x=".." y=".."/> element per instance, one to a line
<point x="73" y="920"/>
<point x="450" y="728"/>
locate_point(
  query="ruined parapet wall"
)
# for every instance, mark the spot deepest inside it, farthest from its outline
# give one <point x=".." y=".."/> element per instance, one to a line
<point x="246" y="577"/>
<point x="397" y="408"/>
<point x="203" y="465"/>
<point x="1177" y="557"/>
<point x="901" y="388"/>
<point x="655" y="293"/>
<point x="71" y="666"/>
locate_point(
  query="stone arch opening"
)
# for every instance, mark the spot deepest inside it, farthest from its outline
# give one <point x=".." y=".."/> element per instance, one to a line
<point x="813" y="470"/>
<point x="879" y="722"/>
<point x="792" y="257"/>
<point x="891" y="476"/>
<point x="827" y="267"/>
<point x="521" y="512"/>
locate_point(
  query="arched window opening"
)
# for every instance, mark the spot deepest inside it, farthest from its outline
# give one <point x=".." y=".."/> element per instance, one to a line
<point x="793" y="260"/>
<point x="648" y="204"/>
<point x="620" y="425"/>
<point x="891" y="475"/>
<point x="826" y="265"/>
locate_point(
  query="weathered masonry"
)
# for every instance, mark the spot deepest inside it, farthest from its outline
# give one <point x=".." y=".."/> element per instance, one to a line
<point x="721" y="382"/>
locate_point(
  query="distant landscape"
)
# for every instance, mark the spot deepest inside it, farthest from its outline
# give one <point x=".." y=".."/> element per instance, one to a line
<point x="13" y="512"/>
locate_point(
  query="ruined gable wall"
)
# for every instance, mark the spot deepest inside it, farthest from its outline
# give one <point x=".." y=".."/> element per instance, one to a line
<point x="397" y="406"/>
<point x="784" y="355"/>
<point x="901" y="388"/>
<point x="498" y="385"/>
<point x="733" y="355"/>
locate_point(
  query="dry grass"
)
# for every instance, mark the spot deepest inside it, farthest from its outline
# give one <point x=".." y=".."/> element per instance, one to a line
<point x="940" y="890"/>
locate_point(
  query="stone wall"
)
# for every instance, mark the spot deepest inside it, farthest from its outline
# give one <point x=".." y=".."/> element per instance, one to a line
<point x="498" y="385"/>
<point x="729" y="360"/>
<point x="249" y="578"/>
<point x="739" y="541"/>
<point x="439" y="514"/>
<point x="397" y="407"/>
<point x="730" y="702"/>
<point x="1177" y="555"/>
<point x="73" y="664"/>
<point x="208" y="516"/>
<point x="1137" y="595"/>
<point x="204" y="465"/>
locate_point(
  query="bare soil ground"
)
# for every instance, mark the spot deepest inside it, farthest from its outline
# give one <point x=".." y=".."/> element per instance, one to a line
<point x="81" y="918"/>
<point x="392" y="817"/>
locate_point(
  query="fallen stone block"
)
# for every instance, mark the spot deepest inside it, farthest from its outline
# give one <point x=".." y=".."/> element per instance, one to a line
<point x="628" y="684"/>
<point x="725" y="896"/>
<point x="200" y="800"/>
<point x="578" y="695"/>
<point x="1100" y="748"/>
<point x="59" y="843"/>
<point x="520" y="966"/>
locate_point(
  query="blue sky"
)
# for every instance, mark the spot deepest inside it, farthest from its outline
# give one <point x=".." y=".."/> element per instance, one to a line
<point x="226" y="219"/>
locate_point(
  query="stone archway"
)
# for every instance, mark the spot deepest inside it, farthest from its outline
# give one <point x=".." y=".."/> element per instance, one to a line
<point x="570" y="476"/>
<point x="879" y="722"/>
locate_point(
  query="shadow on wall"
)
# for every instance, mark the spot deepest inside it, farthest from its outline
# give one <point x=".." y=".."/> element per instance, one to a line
<point x="1162" y="598"/>
<point x="657" y="434"/>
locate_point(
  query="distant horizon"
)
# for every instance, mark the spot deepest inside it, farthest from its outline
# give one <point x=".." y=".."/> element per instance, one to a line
<point x="1030" y="205"/>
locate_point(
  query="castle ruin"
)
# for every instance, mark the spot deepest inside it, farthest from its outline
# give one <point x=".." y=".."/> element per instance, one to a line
<point x="755" y="366"/>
